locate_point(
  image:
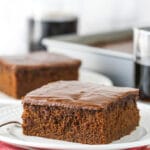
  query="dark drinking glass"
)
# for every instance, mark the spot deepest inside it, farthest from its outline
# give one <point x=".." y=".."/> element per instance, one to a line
<point x="47" y="26"/>
<point x="142" y="62"/>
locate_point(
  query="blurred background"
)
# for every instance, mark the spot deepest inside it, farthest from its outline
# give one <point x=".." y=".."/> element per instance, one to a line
<point x="93" y="16"/>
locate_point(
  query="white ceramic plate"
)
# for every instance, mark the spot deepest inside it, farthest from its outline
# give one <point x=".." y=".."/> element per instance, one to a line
<point x="84" y="75"/>
<point x="13" y="134"/>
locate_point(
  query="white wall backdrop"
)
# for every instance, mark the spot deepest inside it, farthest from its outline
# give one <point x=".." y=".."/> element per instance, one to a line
<point x="95" y="16"/>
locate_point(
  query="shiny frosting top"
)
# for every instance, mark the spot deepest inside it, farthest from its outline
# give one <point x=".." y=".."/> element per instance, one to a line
<point x="78" y="94"/>
<point x="39" y="59"/>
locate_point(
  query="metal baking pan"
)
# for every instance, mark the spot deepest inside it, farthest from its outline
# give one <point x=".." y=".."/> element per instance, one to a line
<point x="117" y="65"/>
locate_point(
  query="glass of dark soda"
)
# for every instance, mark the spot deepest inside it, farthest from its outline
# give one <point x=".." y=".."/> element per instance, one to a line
<point x="142" y="62"/>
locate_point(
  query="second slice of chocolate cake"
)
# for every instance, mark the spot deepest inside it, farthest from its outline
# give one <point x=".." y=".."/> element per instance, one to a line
<point x="80" y="112"/>
<point x="22" y="74"/>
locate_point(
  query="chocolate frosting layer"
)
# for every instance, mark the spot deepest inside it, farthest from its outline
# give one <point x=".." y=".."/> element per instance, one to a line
<point x="39" y="59"/>
<point x="78" y="94"/>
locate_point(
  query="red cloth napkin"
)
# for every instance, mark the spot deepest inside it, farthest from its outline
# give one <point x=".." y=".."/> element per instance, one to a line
<point x="4" y="146"/>
<point x="140" y="148"/>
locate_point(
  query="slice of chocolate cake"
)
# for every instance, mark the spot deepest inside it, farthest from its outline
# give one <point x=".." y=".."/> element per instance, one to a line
<point x="21" y="74"/>
<point x="80" y="112"/>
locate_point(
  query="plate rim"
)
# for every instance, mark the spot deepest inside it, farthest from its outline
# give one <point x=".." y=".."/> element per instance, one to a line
<point x="96" y="74"/>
